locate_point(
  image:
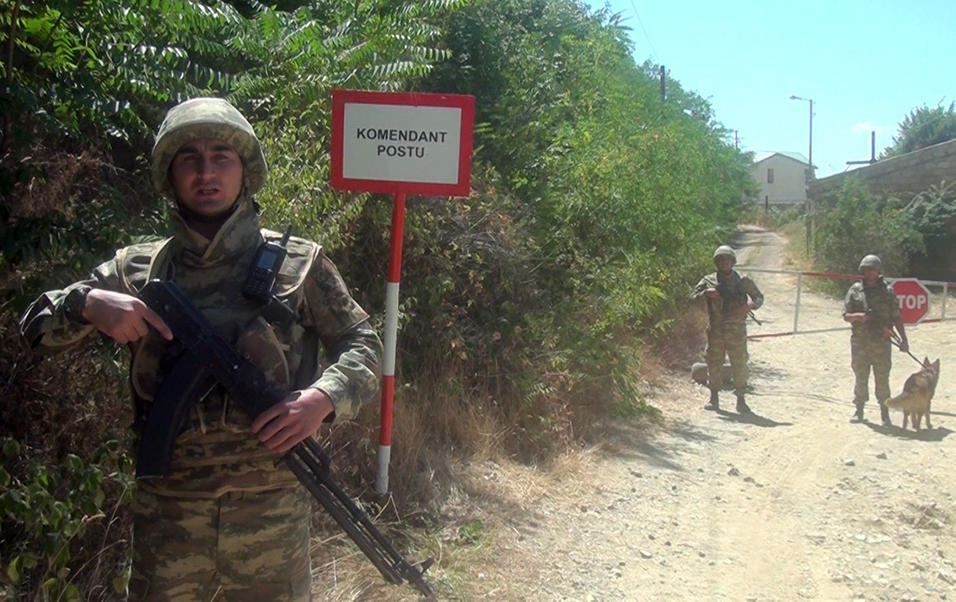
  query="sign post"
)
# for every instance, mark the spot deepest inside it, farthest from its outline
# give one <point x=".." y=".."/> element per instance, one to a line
<point x="913" y="297"/>
<point x="399" y="143"/>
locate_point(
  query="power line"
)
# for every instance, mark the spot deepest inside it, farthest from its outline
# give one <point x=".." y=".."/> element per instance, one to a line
<point x="641" y="23"/>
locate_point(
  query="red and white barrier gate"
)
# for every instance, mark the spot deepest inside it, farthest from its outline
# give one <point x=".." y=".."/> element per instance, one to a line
<point x="914" y="296"/>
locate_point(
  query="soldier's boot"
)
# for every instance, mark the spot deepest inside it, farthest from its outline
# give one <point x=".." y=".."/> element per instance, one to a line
<point x="885" y="415"/>
<point x="858" y="414"/>
<point x="714" y="403"/>
<point x="742" y="407"/>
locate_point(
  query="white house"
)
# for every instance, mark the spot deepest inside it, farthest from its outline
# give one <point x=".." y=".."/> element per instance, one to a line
<point x="782" y="178"/>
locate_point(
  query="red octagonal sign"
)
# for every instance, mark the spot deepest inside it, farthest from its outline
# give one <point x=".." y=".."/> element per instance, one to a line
<point x="913" y="298"/>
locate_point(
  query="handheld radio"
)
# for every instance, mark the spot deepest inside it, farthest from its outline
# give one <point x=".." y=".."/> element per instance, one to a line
<point x="262" y="273"/>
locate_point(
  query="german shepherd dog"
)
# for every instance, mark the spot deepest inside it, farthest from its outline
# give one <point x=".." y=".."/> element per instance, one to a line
<point x="917" y="394"/>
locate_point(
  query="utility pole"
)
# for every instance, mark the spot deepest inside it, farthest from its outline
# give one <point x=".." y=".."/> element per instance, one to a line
<point x="872" y="159"/>
<point x="736" y="141"/>
<point x="809" y="177"/>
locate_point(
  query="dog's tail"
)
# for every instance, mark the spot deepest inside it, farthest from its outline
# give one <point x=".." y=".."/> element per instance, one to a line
<point x="900" y="401"/>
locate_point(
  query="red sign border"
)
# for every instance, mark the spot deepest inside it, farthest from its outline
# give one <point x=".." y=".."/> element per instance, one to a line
<point x="341" y="97"/>
<point x="928" y="295"/>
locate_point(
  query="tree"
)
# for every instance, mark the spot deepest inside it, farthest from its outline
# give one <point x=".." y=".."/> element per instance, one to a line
<point x="923" y="127"/>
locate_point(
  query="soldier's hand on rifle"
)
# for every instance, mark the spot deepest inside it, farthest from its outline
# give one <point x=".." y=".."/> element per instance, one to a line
<point x="745" y="309"/>
<point x="287" y="423"/>
<point x="856" y="318"/>
<point x="711" y="294"/>
<point x="121" y="317"/>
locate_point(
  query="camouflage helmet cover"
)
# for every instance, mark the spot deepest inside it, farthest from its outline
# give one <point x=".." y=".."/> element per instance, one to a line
<point x="210" y="118"/>
<point x="725" y="251"/>
<point x="870" y="261"/>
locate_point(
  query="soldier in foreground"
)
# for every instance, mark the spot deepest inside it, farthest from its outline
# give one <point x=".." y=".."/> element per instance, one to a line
<point x="228" y="518"/>
<point x="873" y="311"/>
<point x="730" y="299"/>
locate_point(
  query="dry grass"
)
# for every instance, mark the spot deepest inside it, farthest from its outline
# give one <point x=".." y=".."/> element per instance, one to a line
<point x="795" y="251"/>
<point x="458" y="457"/>
<point x="477" y="517"/>
<point x="678" y="346"/>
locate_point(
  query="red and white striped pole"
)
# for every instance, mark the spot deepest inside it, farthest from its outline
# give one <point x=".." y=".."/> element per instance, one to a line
<point x="391" y="341"/>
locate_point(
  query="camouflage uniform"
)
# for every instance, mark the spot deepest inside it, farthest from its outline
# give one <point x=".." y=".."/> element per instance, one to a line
<point x="228" y="518"/>
<point x="869" y="345"/>
<point x="727" y="335"/>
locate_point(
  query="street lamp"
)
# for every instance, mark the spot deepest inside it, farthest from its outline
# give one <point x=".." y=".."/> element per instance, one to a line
<point x="809" y="177"/>
<point x="809" y="100"/>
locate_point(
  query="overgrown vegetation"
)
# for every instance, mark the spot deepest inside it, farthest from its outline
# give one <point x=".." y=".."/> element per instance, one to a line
<point x="933" y="214"/>
<point x="858" y="223"/>
<point x="923" y="126"/>
<point x="912" y="237"/>
<point x="595" y="205"/>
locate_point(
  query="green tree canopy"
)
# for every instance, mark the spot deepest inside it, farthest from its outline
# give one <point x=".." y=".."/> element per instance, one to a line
<point x="924" y="126"/>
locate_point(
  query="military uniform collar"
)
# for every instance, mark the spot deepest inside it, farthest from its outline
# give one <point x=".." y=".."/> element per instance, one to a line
<point x="237" y="234"/>
<point x="730" y="276"/>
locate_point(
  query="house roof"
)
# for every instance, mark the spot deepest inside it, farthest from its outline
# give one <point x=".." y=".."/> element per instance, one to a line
<point x="764" y="155"/>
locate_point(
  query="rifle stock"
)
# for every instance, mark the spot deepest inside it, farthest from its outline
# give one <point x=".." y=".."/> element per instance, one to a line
<point x="213" y="360"/>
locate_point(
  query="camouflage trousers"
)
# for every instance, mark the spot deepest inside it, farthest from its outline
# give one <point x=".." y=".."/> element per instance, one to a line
<point x="241" y="546"/>
<point x="867" y="351"/>
<point x="727" y="339"/>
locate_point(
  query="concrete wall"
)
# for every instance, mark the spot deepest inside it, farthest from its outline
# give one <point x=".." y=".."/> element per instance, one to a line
<point x="903" y="176"/>
<point x="789" y="186"/>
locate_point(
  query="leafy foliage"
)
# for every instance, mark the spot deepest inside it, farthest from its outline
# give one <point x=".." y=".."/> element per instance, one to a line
<point x="924" y="126"/>
<point x="619" y="196"/>
<point x="933" y="213"/>
<point x="47" y="511"/>
<point x="859" y="223"/>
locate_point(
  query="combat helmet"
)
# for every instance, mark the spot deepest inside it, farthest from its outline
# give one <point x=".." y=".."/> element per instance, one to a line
<point x="207" y="117"/>
<point x="870" y="261"/>
<point x="725" y="251"/>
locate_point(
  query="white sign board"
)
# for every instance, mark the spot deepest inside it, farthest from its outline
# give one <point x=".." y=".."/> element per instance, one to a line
<point x="402" y="142"/>
<point x="408" y="144"/>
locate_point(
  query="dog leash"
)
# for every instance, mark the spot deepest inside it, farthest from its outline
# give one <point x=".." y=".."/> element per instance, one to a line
<point x="896" y="342"/>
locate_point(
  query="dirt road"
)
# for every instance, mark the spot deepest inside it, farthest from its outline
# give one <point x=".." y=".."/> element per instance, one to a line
<point x="794" y="503"/>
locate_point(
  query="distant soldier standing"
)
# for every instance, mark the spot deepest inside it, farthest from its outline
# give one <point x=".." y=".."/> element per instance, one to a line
<point x="730" y="298"/>
<point x="872" y="309"/>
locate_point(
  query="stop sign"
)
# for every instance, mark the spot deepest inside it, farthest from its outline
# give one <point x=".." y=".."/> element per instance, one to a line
<point x="913" y="298"/>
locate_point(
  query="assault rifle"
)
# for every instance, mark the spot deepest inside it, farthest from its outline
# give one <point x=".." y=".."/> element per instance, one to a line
<point x="207" y="360"/>
<point x="737" y="299"/>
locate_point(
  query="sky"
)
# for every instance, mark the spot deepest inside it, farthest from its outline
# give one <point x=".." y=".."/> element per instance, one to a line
<point x="865" y="64"/>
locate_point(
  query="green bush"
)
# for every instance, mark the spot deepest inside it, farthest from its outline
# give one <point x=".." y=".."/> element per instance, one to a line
<point x="933" y="213"/>
<point x="858" y="223"/>
<point x="47" y="510"/>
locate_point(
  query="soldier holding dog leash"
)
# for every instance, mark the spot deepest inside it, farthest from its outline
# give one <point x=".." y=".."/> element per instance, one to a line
<point x="873" y="311"/>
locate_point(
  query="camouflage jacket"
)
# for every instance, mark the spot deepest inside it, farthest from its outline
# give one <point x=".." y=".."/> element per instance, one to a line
<point x="877" y="301"/>
<point x="218" y="453"/>
<point x="735" y="291"/>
